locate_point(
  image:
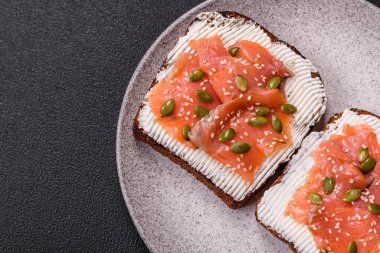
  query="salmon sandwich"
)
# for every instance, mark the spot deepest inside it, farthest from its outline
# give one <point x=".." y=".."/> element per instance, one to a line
<point x="328" y="199"/>
<point x="231" y="104"/>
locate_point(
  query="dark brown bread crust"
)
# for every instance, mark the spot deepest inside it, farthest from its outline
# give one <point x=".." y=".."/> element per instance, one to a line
<point x="333" y="119"/>
<point x="142" y="136"/>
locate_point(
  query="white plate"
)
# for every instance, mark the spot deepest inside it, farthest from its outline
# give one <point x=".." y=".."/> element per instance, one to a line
<point x="172" y="211"/>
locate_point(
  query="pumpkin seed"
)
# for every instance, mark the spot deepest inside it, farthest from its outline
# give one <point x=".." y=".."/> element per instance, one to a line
<point x="240" y="147"/>
<point x="374" y="208"/>
<point x="167" y="107"/>
<point x="227" y="135"/>
<point x="262" y="110"/>
<point x="203" y="96"/>
<point x="200" y="111"/>
<point x="315" y="198"/>
<point x="241" y="82"/>
<point x="363" y="154"/>
<point x="328" y="185"/>
<point x="352" y="247"/>
<point x="289" y="108"/>
<point x="351" y="195"/>
<point x="276" y="124"/>
<point x="274" y="82"/>
<point x="196" y="75"/>
<point x="185" y="132"/>
<point x="234" y="51"/>
<point x="368" y="165"/>
<point x="257" y="121"/>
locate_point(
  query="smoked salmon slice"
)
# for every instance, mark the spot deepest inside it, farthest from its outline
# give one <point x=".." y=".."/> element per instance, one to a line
<point x="237" y="114"/>
<point x="223" y="68"/>
<point x="183" y="91"/>
<point x="338" y="219"/>
<point x="233" y="88"/>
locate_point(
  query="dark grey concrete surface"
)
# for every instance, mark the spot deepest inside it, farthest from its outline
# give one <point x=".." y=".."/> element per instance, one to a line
<point x="64" y="68"/>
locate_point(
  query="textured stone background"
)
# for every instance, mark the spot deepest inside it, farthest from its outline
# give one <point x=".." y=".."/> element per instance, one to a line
<point x="64" y="68"/>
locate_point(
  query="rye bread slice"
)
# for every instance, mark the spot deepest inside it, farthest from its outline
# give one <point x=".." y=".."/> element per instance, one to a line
<point x="332" y="120"/>
<point x="141" y="135"/>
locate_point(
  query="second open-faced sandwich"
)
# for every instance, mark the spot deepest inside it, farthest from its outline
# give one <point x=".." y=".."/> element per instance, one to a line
<point x="328" y="199"/>
<point x="231" y="104"/>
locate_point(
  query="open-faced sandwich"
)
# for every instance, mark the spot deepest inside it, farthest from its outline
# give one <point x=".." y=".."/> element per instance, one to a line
<point x="231" y="104"/>
<point x="328" y="199"/>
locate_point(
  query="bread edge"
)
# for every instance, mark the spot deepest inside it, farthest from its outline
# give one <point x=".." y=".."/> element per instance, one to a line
<point x="331" y="120"/>
<point x="227" y="199"/>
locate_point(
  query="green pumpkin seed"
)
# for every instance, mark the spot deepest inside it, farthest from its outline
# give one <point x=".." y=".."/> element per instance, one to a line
<point x="241" y="82"/>
<point x="374" y="208"/>
<point x="328" y="185"/>
<point x="363" y="154"/>
<point x="227" y="135"/>
<point x="274" y="82"/>
<point x="234" y="51"/>
<point x="200" y="111"/>
<point x="257" y="121"/>
<point x="203" y="96"/>
<point x="351" y="195"/>
<point x="368" y="165"/>
<point x="315" y="198"/>
<point x="352" y="247"/>
<point x="289" y="108"/>
<point x="240" y="147"/>
<point x="276" y="124"/>
<point x="167" y="107"/>
<point x="196" y="75"/>
<point x="185" y="132"/>
<point x="262" y="110"/>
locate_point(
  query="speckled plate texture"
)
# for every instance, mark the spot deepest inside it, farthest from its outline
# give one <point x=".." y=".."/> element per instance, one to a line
<point x="172" y="211"/>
